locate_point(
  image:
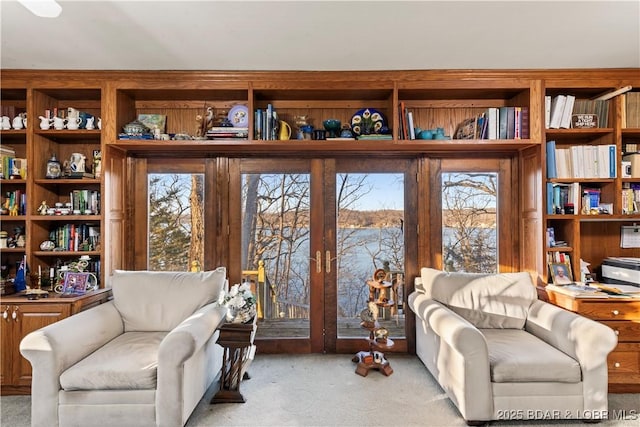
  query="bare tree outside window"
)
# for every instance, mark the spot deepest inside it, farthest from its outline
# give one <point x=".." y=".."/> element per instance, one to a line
<point x="469" y="222"/>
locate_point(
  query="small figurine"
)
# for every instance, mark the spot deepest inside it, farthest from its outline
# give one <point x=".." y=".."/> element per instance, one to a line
<point x="42" y="210"/>
<point x="195" y="266"/>
<point x="14" y="210"/>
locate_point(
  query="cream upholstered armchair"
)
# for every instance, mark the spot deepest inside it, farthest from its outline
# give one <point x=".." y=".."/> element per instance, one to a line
<point x="144" y="358"/>
<point x="501" y="354"/>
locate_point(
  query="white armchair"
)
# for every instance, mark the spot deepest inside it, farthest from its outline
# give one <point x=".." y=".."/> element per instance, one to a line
<point x="145" y="358"/>
<point x="501" y="354"/>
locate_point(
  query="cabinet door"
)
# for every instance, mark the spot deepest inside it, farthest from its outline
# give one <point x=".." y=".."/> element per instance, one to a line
<point x="30" y="317"/>
<point x="6" y="340"/>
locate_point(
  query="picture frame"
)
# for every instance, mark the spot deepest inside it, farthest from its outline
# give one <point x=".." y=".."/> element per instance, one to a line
<point x="561" y="273"/>
<point x="75" y="283"/>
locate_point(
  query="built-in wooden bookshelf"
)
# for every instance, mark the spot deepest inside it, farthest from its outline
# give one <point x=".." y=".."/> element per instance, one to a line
<point x="437" y="98"/>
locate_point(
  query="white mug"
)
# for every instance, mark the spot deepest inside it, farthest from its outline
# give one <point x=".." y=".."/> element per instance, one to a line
<point x="89" y="125"/>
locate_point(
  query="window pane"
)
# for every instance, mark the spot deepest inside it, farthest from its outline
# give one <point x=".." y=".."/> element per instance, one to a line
<point x="176" y="222"/>
<point x="469" y="222"/>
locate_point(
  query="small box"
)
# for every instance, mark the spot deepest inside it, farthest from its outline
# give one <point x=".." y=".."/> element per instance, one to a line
<point x="626" y="169"/>
<point x="634" y="159"/>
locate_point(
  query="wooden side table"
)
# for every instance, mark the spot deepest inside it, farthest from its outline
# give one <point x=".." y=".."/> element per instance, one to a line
<point x="237" y="341"/>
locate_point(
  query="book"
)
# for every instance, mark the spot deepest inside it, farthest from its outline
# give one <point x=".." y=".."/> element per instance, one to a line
<point x="557" y="107"/>
<point x="492" y="122"/>
<point x="551" y="237"/>
<point x="567" y="111"/>
<point x="502" y="123"/>
<point x="552" y="169"/>
<point x="577" y="290"/>
<point x="547" y="111"/>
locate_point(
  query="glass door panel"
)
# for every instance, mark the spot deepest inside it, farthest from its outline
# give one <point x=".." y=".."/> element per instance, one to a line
<point x="369" y="237"/>
<point x="275" y="250"/>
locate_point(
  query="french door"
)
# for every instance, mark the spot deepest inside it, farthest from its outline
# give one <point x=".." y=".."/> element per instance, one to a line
<point x="312" y="232"/>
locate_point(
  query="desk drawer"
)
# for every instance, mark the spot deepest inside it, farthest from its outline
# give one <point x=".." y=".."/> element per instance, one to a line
<point x="618" y="310"/>
<point x="623" y="362"/>
<point x="627" y="331"/>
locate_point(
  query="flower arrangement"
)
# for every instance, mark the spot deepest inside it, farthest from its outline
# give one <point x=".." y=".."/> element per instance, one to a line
<point x="240" y="301"/>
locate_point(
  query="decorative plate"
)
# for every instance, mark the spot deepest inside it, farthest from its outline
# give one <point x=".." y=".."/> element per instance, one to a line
<point x="367" y="121"/>
<point x="239" y="116"/>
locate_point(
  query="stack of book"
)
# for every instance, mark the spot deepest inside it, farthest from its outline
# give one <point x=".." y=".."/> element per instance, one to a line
<point x="224" y="132"/>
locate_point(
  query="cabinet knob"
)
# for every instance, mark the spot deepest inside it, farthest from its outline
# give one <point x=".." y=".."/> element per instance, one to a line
<point x="5" y="314"/>
<point x="615" y="312"/>
<point x="14" y="314"/>
<point x="617" y="364"/>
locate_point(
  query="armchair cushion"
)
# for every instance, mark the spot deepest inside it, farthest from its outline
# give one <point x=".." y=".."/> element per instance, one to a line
<point x="486" y="301"/>
<point x="517" y="356"/>
<point x="170" y="297"/>
<point x="129" y="362"/>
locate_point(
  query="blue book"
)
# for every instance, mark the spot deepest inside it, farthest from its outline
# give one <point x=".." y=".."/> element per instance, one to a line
<point x="552" y="170"/>
<point x="612" y="161"/>
<point x="550" y="198"/>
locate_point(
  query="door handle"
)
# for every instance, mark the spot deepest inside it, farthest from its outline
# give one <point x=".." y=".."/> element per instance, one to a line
<point x="318" y="260"/>
<point x="328" y="261"/>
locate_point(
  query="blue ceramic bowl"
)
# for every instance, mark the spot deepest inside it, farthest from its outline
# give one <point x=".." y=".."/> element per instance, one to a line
<point x="332" y="125"/>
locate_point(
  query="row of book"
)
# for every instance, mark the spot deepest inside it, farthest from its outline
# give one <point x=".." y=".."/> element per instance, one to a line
<point x="15" y="202"/>
<point x="556" y="257"/>
<point x="76" y="237"/>
<point x="84" y="200"/>
<point x="630" y="198"/>
<point x="10" y="165"/>
<point x="496" y="123"/>
<point x="560" y="110"/>
<point x="572" y="199"/>
<point x="265" y="124"/>
<point x="581" y="161"/>
<point x="631" y="112"/>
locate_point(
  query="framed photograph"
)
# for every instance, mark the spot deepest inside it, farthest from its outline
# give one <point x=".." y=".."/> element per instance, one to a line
<point x="561" y="273"/>
<point x="75" y="283"/>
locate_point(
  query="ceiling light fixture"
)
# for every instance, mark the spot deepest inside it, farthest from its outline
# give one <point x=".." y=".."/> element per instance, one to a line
<point x="42" y="8"/>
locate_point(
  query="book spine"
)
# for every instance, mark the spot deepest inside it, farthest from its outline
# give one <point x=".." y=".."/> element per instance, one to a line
<point x="557" y="106"/>
<point x="552" y="170"/>
<point x="524" y="123"/>
<point x="511" y="121"/>
<point x="565" y="121"/>
<point x="502" y="125"/>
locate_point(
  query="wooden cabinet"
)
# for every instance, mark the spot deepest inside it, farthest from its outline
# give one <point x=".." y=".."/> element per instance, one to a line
<point x="623" y="316"/>
<point x="20" y="317"/>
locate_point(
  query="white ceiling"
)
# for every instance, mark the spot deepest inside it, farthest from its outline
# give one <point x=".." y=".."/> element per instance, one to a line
<point x="322" y="35"/>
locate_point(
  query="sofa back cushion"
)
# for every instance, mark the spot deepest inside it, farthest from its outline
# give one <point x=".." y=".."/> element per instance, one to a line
<point x="160" y="300"/>
<point x="485" y="300"/>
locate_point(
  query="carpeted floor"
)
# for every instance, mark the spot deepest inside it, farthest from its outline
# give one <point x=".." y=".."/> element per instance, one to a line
<point x="323" y="390"/>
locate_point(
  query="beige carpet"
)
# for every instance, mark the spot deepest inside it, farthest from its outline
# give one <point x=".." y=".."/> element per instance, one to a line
<point x="323" y="390"/>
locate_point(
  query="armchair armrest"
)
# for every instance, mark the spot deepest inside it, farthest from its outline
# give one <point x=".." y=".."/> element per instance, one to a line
<point x="461" y="357"/>
<point x="180" y="345"/>
<point x="56" y="347"/>
<point x="587" y="341"/>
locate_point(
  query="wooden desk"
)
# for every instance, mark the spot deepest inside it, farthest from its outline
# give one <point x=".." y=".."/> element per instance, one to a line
<point x="237" y="340"/>
<point x="623" y="316"/>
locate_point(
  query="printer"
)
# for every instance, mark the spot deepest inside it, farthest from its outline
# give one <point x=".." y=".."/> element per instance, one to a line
<point x="621" y="271"/>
